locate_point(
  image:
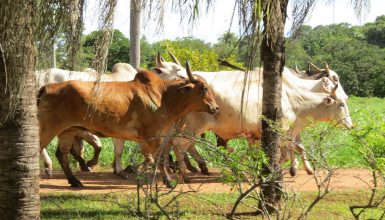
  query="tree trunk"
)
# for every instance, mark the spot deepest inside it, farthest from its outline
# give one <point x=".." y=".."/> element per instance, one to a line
<point x="19" y="132"/>
<point x="135" y="13"/>
<point x="273" y="56"/>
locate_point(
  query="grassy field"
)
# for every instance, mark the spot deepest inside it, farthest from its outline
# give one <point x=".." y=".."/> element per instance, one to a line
<point x="341" y="148"/>
<point x="193" y="206"/>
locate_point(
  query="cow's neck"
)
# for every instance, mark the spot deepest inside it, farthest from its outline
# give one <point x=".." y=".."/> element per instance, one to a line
<point x="306" y="84"/>
<point x="303" y="102"/>
<point x="174" y="105"/>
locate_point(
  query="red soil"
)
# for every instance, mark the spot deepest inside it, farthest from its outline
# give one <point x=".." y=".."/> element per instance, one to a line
<point x="106" y="182"/>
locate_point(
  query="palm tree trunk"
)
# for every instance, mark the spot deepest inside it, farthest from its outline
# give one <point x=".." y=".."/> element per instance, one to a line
<point x="273" y="55"/>
<point x="135" y="13"/>
<point x="19" y="132"/>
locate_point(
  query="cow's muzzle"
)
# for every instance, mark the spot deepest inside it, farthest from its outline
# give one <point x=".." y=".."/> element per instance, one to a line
<point x="214" y="109"/>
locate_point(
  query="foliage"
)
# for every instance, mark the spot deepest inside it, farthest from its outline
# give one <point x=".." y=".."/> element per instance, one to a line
<point x="200" y="54"/>
<point x="117" y="53"/>
<point x="375" y="32"/>
<point x="359" y="63"/>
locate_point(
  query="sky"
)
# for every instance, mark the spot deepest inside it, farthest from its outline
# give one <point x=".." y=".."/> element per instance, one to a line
<point x="213" y="24"/>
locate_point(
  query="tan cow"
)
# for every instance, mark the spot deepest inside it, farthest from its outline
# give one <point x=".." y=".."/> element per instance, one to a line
<point x="142" y="110"/>
<point x="120" y="72"/>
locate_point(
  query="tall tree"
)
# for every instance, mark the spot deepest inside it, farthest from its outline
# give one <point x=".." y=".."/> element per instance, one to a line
<point x="22" y="24"/>
<point x="135" y="13"/>
<point x="273" y="58"/>
<point x="19" y="140"/>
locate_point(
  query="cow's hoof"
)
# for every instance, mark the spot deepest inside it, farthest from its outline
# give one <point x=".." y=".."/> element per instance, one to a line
<point x="167" y="182"/>
<point x="205" y="171"/>
<point x="192" y="169"/>
<point x="86" y="169"/>
<point x="186" y="179"/>
<point x="293" y="171"/>
<point x="124" y="175"/>
<point x="130" y="169"/>
<point x="48" y="172"/>
<point x="75" y="183"/>
<point x="310" y="172"/>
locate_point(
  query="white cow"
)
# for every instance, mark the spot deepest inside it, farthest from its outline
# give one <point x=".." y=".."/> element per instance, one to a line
<point x="120" y="72"/>
<point x="301" y="99"/>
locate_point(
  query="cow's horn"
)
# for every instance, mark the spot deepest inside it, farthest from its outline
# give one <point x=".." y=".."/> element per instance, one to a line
<point x="159" y="60"/>
<point x="296" y="69"/>
<point x="334" y="92"/>
<point x="327" y="70"/>
<point x="315" y="67"/>
<point x="174" y="58"/>
<point x="189" y="72"/>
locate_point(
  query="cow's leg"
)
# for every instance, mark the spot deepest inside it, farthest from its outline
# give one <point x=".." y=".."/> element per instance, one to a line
<point x="169" y="163"/>
<point x="298" y="146"/>
<point x="182" y="175"/>
<point x="306" y="164"/>
<point x="118" y="151"/>
<point x="76" y="151"/>
<point x="94" y="141"/>
<point x="189" y="166"/>
<point x="46" y="135"/>
<point x="172" y="164"/>
<point x="77" y="147"/>
<point x="164" y="164"/>
<point x="285" y="154"/>
<point x="47" y="162"/>
<point x="198" y="158"/>
<point x="65" y="144"/>
<point x="294" y="162"/>
<point x="180" y="146"/>
<point x="221" y="141"/>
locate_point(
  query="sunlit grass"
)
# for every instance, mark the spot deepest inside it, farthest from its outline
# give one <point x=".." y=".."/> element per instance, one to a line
<point x="194" y="206"/>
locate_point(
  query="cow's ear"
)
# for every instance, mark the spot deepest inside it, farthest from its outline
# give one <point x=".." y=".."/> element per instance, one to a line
<point x="186" y="88"/>
<point x="157" y="70"/>
<point x="335" y="78"/>
<point x="325" y="84"/>
<point x="329" y="101"/>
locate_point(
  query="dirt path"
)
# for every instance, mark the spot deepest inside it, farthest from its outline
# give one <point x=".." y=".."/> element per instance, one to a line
<point x="106" y="182"/>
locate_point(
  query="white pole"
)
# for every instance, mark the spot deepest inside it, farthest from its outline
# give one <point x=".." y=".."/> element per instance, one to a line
<point x="53" y="55"/>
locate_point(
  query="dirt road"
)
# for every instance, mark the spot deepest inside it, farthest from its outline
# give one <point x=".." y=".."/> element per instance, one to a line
<point x="106" y="182"/>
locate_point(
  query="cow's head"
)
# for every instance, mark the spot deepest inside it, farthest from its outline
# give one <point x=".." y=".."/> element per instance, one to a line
<point x="169" y="70"/>
<point x="318" y="73"/>
<point x="197" y="91"/>
<point x="335" y="108"/>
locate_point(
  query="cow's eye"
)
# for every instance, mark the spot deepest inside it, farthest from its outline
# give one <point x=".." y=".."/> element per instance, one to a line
<point x="205" y="89"/>
<point x="342" y="104"/>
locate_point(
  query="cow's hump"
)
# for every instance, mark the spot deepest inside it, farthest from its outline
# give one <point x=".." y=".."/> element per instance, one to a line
<point x="145" y="76"/>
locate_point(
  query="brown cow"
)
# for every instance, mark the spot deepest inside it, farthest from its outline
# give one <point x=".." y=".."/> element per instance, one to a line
<point x="142" y="110"/>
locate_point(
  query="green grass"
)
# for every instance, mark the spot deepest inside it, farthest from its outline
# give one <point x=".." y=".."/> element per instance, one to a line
<point x="340" y="147"/>
<point x="196" y="206"/>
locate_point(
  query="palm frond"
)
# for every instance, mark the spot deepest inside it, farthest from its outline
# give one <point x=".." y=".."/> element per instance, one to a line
<point x="106" y="21"/>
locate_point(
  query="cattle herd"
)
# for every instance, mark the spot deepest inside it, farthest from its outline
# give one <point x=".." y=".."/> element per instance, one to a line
<point x="150" y="106"/>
